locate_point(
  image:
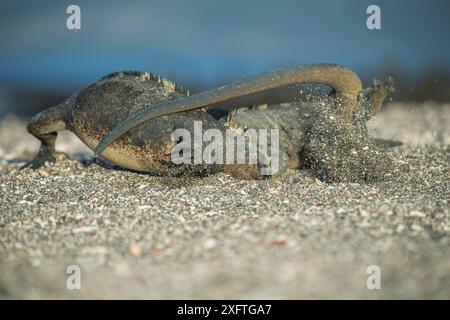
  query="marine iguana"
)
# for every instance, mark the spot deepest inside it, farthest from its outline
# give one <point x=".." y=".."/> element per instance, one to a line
<point x="136" y="112"/>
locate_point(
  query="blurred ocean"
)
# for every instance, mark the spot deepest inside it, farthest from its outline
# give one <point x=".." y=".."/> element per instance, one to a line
<point x="203" y="43"/>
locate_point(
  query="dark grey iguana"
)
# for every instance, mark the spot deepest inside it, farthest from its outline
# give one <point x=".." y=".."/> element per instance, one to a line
<point x="145" y="144"/>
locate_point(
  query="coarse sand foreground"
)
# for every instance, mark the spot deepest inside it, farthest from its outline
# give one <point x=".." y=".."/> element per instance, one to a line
<point x="142" y="236"/>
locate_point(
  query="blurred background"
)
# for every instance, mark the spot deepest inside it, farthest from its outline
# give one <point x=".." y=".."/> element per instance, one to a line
<point x="201" y="44"/>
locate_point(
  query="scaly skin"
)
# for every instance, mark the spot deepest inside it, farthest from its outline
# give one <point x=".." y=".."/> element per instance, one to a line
<point x="345" y="83"/>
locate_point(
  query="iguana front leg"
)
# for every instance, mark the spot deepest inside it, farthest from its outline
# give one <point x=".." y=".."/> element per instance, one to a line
<point x="44" y="126"/>
<point x="345" y="83"/>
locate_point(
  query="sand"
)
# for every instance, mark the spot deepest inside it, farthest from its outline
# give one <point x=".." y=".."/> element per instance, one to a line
<point x="142" y="236"/>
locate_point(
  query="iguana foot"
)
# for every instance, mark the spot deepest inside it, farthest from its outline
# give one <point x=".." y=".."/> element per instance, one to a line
<point x="374" y="96"/>
<point x="45" y="155"/>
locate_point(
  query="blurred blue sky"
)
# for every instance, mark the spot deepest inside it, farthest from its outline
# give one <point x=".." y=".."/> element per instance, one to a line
<point x="209" y="42"/>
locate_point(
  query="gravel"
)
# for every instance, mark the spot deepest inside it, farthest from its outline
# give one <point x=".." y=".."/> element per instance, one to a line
<point x="143" y="236"/>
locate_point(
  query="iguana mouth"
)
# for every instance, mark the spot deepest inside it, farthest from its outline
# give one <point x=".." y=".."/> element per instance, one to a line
<point x="344" y="81"/>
